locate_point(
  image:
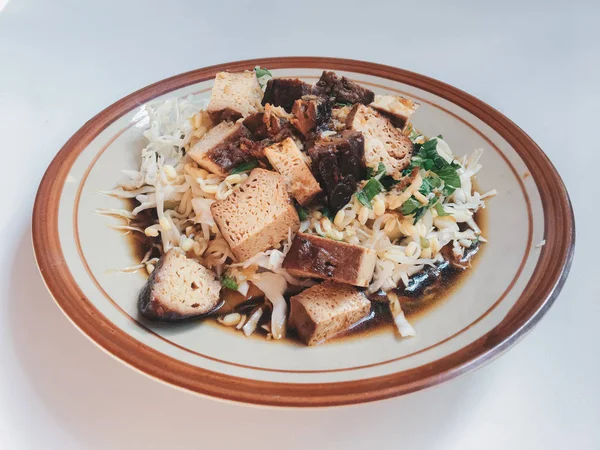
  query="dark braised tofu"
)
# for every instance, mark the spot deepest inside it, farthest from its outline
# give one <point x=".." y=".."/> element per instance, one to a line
<point x="285" y="91"/>
<point x="257" y="215"/>
<point x="383" y="142"/>
<point x="396" y="108"/>
<point x="219" y="149"/>
<point x="179" y="288"/>
<point x="339" y="162"/>
<point x="256" y="149"/>
<point x="311" y="113"/>
<point x="256" y="124"/>
<point x="316" y="257"/>
<point x="234" y="95"/>
<point x="343" y="89"/>
<point x="327" y="309"/>
<point x="288" y="160"/>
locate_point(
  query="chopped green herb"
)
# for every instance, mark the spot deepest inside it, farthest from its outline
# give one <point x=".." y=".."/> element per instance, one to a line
<point x="440" y="210"/>
<point x="413" y="134"/>
<point x="430" y="183"/>
<point x="388" y="182"/>
<point x="380" y="171"/>
<point x="407" y="171"/>
<point x="245" y="167"/>
<point x="261" y="72"/>
<point x="369" y="191"/>
<point x="424" y="243"/>
<point x="229" y="283"/>
<point x="327" y="212"/>
<point x="341" y="105"/>
<point x="363" y="199"/>
<point x="450" y="178"/>
<point x="262" y="75"/>
<point x="426" y="157"/>
<point x="420" y="213"/>
<point x="302" y="213"/>
<point x="410" y="206"/>
<point x="414" y="207"/>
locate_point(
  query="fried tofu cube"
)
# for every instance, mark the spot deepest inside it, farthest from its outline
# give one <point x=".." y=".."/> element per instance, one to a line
<point x="234" y="95"/>
<point x="338" y="162"/>
<point x="311" y="112"/>
<point x="286" y="158"/>
<point x="322" y="311"/>
<point x="342" y="89"/>
<point x="317" y="257"/>
<point x="219" y="151"/>
<point x="179" y="289"/>
<point x="398" y="109"/>
<point x="383" y="142"/>
<point x="257" y="215"/>
<point x="285" y="91"/>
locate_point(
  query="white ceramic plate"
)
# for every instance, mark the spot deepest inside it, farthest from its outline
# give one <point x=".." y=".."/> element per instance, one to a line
<point x="510" y="287"/>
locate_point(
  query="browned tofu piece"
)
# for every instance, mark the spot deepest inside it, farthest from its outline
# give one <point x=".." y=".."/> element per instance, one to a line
<point x="219" y="151"/>
<point x="256" y="215"/>
<point x="383" y="142"/>
<point x="256" y="148"/>
<point x="342" y="89"/>
<point x="285" y="91"/>
<point x="286" y="158"/>
<point x="178" y="289"/>
<point x="256" y="124"/>
<point x="317" y="257"/>
<point x="234" y="95"/>
<point x="311" y="112"/>
<point x="396" y="108"/>
<point x="324" y="310"/>
<point x="276" y="119"/>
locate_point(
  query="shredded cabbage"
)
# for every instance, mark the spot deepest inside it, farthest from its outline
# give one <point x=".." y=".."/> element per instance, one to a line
<point x="274" y="286"/>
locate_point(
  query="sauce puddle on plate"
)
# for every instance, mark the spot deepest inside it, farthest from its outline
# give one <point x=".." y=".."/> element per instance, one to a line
<point x="426" y="289"/>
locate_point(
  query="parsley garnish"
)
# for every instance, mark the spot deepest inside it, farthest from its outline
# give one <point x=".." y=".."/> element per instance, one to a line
<point x="369" y="191"/>
<point x="302" y="213"/>
<point x="388" y="182"/>
<point x="412" y="206"/>
<point x="229" y="283"/>
<point x="427" y="158"/>
<point x="245" y="167"/>
<point x="440" y="210"/>
<point x="371" y="173"/>
<point x="327" y="212"/>
<point x="262" y="75"/>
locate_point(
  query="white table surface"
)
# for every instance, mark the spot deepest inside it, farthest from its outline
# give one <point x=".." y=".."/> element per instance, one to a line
<point x="61" y="62"/>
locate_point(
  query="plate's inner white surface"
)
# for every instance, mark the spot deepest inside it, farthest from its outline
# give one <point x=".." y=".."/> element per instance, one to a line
<point x="208" y="345"/>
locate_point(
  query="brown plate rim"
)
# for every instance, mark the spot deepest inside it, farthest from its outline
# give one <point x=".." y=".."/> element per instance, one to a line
<point x="542" y="288"/>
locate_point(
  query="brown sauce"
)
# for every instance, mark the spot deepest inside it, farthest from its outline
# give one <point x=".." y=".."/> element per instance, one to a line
<point x="139" y="243"/>
<point x="426" y="289"/>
